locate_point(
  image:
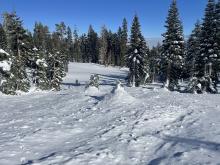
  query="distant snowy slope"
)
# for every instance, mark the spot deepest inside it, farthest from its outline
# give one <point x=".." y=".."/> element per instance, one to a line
<point x="154" y="41"/>
<point x="82" y="73"/>
<point x="125" y="126"/>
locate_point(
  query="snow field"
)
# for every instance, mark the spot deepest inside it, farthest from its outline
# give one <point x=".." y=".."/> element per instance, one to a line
<point x="111" y="126"/>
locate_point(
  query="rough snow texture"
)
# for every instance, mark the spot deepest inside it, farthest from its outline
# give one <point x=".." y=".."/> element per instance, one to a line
<point x="124" y="126"/>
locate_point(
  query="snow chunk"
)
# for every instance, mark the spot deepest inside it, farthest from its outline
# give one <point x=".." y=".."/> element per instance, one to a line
<point x="119" y="95"/>
<point x="6" y="66"/>
<point x="4" y="52"/>
<point x="35" y="49"/>
<point x="39" y="61"/>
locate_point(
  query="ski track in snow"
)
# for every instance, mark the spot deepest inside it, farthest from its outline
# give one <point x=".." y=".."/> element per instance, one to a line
<point x="141" y="126"/>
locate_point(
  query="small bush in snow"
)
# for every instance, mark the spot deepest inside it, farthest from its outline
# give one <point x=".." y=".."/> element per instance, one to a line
<point x="94" y="81"/>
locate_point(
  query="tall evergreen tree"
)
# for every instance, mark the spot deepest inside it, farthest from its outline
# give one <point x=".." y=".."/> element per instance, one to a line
<point x="115" y="50"/>
<point x="123" y="42"/>
<point x="56" y="64"/>
<point x="3" y="38"/>
<point x="76" y="47"/>
<point x="173" y="48"/>
<point x="84" y="48"/>
<point x="93" y="45"/>
<point x="154" y="62"/>
<point x="208" y="59"/>
<point x="61" y="33"/>
<point x="110" y="56"/>
<point x="208" y="46"/>
<point x="218" y="31"/>
<point x="5" y="63"/>
<point x="40" y="57"/>
<point x="137" y="56"/>
<point x="16" y="36"/>
<point x="103" y="51"/>
<point x="70" y="46"/>
<point x="193" y="51"/>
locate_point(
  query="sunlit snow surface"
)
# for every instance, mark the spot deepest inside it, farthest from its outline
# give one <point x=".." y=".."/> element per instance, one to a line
<point x="131" y="126"/>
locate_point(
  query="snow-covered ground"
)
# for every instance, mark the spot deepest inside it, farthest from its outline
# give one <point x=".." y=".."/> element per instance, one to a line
<point x="131" y="126"/>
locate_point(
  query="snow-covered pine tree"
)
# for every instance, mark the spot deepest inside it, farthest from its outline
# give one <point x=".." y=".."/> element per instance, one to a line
<point x="56" y="62"/>
<point x="208" y="59"/>
<point x="40" y="69"/>
<point x="218" y="31"/>
<point x="137" y="55"/>
<point x="5" y="64"/>
<point x="193" y="51"/>
<point x="5" y="74"/>
<point x="173" y="48"/>
<point x="61" y="33"/>
<point x="16" y="37"/>
<point x="3" y="38"/>
<point x="39" y="57"/>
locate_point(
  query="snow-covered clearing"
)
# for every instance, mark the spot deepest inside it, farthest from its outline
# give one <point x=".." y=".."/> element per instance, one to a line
<point x="135" y="126"/>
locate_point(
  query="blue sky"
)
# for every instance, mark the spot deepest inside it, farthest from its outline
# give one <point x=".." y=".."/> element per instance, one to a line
<point x="81" y="13"/>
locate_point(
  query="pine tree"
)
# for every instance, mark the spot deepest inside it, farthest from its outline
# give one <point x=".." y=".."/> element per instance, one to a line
<point x="218" y="32"/>
<point x="93" y="45"/>
<point x="3" y="38"/>
<point x="173" y="48"/>
<point x="115" y="49"/>
<point x="39" y="57"/>
<point x="76" y="47"/>
<point x="56" y="64"/>
<point x="5" y="64"/>
<point x="16" y="36"/>
<point x="103" y="46"/>
<point x="61" y="33"/>
<point x="70" y="46"/>
<point x="84" y="48"/>
<point x="123" y="43"/>
<point x="137" y="59"/>
<point x="154" y="62"/>
<point x="40" y="77"/>
<point x="208" y="59"/>
<point x="110" y="56"/>
<point x="193" y="51"/>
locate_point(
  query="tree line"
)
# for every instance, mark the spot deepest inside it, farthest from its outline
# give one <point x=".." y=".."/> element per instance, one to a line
<point x="40" y="58"/>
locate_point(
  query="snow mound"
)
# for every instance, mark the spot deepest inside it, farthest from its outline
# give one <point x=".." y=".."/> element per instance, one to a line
<point x="92" y="90"/>
<point x="119" y="95"/>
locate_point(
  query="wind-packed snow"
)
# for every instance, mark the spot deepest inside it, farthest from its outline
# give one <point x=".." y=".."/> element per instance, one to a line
<point x="109" y="126"/>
